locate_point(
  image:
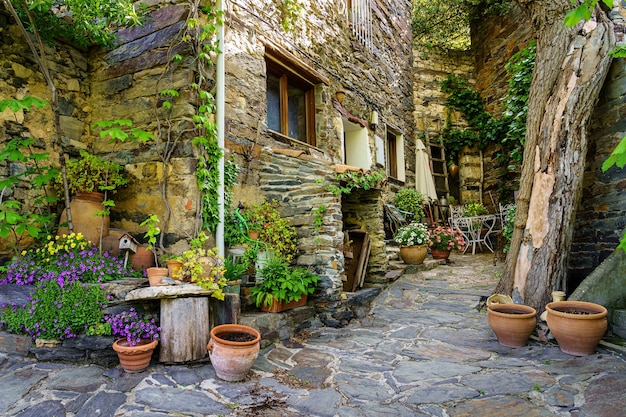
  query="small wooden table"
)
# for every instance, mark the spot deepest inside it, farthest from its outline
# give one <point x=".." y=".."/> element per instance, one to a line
<point x="185" y="323"/>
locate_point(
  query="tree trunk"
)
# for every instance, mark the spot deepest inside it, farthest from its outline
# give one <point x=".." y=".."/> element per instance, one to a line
<point x="570" y="69"/>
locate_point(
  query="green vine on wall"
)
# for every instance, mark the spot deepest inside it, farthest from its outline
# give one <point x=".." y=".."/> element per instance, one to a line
<point x="509" y="131"/>
<point x="202" y="35"/>
<point x="290" y="11"/>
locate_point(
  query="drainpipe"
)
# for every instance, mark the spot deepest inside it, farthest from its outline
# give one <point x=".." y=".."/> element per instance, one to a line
<point x="219" y="235"/>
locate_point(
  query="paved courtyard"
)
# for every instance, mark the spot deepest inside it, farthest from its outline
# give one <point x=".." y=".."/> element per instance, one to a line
<point x="425" y="350"/>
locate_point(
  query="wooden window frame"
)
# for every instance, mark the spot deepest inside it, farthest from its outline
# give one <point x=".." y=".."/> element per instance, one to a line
<point x="292" y="71"/>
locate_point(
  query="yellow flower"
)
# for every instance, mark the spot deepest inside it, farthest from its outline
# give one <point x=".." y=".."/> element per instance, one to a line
<point x="73" y="245"/>
<point x="23" y="252"/>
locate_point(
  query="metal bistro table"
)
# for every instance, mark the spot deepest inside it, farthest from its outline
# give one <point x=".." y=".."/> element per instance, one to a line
<point x="476" y="230"/>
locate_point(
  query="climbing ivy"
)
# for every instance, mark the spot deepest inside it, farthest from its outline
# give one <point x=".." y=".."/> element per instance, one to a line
<point x="509" y="130"/>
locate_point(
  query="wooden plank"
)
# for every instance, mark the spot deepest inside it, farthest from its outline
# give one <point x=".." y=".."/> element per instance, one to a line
<point x="184" y="329"/>
<point x="363" y="258"/>
<point x="351" y="267"/>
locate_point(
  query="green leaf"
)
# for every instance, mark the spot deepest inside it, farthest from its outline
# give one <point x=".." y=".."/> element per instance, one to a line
<point x="617" y="157"/>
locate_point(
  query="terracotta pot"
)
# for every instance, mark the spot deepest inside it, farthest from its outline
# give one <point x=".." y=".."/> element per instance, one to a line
<point x="577" y="326"/>
<point x="512" y="323"/>
<point x="453" y="170"/>
<point x="277" y="307"/>
<point x="174" y="266"/>
<point x="254" y="234"/>
<point x="134" y="358"/>
<point x="413" y="255"/>
<point x="84" y="207"/>
<point x="142" y="259"/>
<point x="233" y="349"/>
<point x="155" y="275"/>
<point x="440" y="253"/>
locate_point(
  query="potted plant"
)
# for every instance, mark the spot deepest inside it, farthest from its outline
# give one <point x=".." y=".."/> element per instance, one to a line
<point x="203" y="267"/>
<point x="443" y="239"/>
<point x="89" y="180"/>
<point x="136" y="339"/>
<point x="283" y="287"/>
<point x="155" y="273"/>
<point x="174" y="265"/>
<point x="234" y="268"/>
<point x="410" y="200"/>
<point x="577" y="326"/>
<point x="233" y="349"/>
<point x="413" y="240"/>
<point x="473" y="208"/>
<point x="512" y="323"/>
<point x="275" y="231"/>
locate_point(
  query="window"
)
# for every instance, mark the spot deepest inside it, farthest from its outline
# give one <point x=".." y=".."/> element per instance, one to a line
<point x="394" y="147"/>
<point x="356" y="145"/>
<point x="290" y="108"/>
<point x="361" y="21"/>
<point x="290" y="95"/>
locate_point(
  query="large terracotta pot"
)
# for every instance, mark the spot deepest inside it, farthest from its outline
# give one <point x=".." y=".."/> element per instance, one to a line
<point x="512" y="323"/>
<point x="413" y="255"/>
<point x="84" y="207"/>
<point x="134" y="358"/>
<point x="142" y="259"/>
<point x="440" y="253"/>
<point x="577" y="326"/>
<point x="233" y="349"/>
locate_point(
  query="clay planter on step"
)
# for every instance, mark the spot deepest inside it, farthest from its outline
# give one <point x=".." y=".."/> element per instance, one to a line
<point x="233" y="349"/>
<point x="577" y="326"/>
<point x="512" y="323"/>
<point x="440" y="253"/>
<point x="413" y="255"/>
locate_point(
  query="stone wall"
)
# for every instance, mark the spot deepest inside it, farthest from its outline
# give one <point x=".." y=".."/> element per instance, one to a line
<point x="125" y="82"/>
<point x="21" y="76"/>
<point x="601" y="214"/>
<point x="430" y="68"/>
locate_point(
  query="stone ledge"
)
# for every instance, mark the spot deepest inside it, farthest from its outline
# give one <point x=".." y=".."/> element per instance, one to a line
<point x="167" y="291"/>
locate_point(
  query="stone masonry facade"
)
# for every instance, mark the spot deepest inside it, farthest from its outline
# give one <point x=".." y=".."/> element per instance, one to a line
<point x="125" y="82"/>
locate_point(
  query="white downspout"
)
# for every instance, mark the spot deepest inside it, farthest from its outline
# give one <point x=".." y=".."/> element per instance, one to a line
<point x="219" y="103"/>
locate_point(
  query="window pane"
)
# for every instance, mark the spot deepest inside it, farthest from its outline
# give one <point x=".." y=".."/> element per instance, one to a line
<point x="273" y="103"/>
<point x="297" y="114"/>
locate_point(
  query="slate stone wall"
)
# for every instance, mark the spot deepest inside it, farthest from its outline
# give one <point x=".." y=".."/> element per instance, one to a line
<point x="125" y="82"/>
<point x="601" y="214"/>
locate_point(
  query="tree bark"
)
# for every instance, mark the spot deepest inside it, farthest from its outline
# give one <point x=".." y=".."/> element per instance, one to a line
<point x="571" y="66"/>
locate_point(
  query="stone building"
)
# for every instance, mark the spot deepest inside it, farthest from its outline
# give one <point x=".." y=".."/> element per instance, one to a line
<point x="306" y="92"/>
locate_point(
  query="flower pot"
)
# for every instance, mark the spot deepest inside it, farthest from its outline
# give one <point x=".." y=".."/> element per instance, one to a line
<point x="277" y="306"/>
<point x="254" y="234"/>
<point x="453" y="170"/>
<point x="233" y="349"/>
<point x="413" y="255"/>
<point x="142" y="259"/>
<point x="84" y="207"/>
<point x="512" y="323"/>
<point x="440" y="253"/>
<point x="134" y="358"/>
<point x="155" y="275"/>
<point x="577" y="326"/>
<point x="174" y="266"/>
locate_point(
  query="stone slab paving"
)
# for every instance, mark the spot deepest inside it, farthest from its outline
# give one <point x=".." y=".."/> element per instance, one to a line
<point x="423" y="351"/>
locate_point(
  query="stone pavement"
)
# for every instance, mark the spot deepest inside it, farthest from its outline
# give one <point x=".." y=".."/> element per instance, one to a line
<point x="424" y="350"/>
